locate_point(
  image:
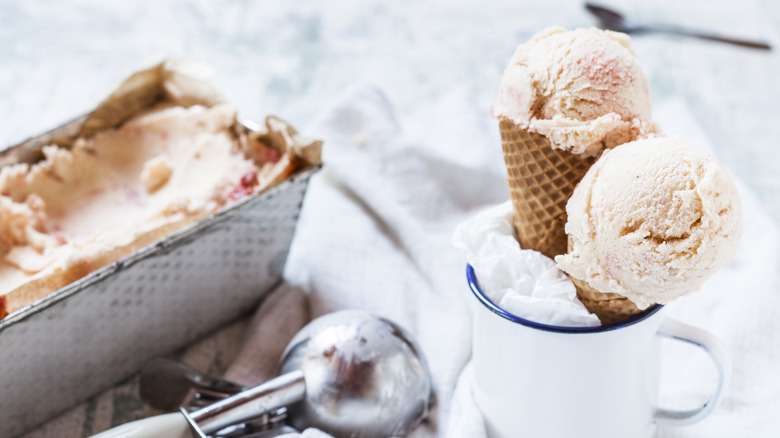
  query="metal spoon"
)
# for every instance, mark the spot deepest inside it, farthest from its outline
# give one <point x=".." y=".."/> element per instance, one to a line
<point x="348" y="373"/>
<point x="614" y="20"/>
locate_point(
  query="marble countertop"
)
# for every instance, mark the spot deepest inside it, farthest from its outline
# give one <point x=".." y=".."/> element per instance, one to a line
<point x="292" y="58"/>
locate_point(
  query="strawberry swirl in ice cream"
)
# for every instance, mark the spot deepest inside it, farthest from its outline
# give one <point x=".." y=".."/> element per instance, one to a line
<point x="584" y="90"/>
<point x="170" y="165"/>
<point x="160" y="153"/>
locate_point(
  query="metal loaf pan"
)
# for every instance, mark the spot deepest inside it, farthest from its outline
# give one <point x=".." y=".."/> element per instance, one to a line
<point x="92" y="333"/>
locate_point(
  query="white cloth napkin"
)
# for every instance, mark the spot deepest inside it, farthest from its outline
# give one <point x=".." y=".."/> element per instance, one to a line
<point x="375" y="233"/>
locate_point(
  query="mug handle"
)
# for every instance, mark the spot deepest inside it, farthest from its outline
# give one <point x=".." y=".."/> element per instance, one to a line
<point x="714" y="347"/>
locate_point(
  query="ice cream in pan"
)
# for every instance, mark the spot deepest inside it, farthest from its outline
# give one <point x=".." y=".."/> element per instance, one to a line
<point x="162" y="152"/>
<point x="566" y="98"/>
<point x="160" y="168"/>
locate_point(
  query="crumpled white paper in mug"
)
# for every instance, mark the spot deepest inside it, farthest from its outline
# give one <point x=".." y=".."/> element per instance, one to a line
<point x="523" y="282"/>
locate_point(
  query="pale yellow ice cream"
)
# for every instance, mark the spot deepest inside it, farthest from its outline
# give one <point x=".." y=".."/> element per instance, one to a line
<point x="168" y="165"/>
<point x="652" y="220"/>
<point x="161" y="152"/>
<point x="584" y="90"/>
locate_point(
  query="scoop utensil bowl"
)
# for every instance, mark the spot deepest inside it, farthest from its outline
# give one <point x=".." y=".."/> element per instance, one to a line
<point x="348" y="373"/>
<point x="614" y="20"/>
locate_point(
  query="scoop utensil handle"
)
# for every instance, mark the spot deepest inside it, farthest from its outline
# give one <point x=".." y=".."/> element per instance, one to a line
<point x="172" y="425"/>
<point x="239" y="408"/>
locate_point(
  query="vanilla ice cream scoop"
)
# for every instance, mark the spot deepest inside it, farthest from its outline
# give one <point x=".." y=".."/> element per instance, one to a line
<point x="652" y="220"/>
<point x="584" y="90"/>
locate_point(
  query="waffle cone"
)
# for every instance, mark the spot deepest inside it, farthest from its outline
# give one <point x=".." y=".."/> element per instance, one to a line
<point x="609" y="307"/>
<point x="541" y="180"/>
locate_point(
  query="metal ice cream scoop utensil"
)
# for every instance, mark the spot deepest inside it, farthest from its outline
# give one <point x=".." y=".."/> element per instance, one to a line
<point x="165" y="383"/>
<point x="614" y="20"/>
<point x="348" y="373"/>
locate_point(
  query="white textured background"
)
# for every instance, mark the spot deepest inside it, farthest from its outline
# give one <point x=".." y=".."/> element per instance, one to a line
<point x="57" y="59"/>
<point x="289" y="57"/>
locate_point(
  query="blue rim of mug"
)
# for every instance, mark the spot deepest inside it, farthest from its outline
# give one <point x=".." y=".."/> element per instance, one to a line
<point x="472" y="279"/>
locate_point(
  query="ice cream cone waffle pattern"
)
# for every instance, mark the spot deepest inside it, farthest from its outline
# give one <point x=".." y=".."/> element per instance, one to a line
<point x="608" y="307"/>
<point x="541" y="180"/>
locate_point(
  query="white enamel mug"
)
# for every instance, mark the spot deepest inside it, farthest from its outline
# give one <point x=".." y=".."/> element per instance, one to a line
<point x="538" y="381"/>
